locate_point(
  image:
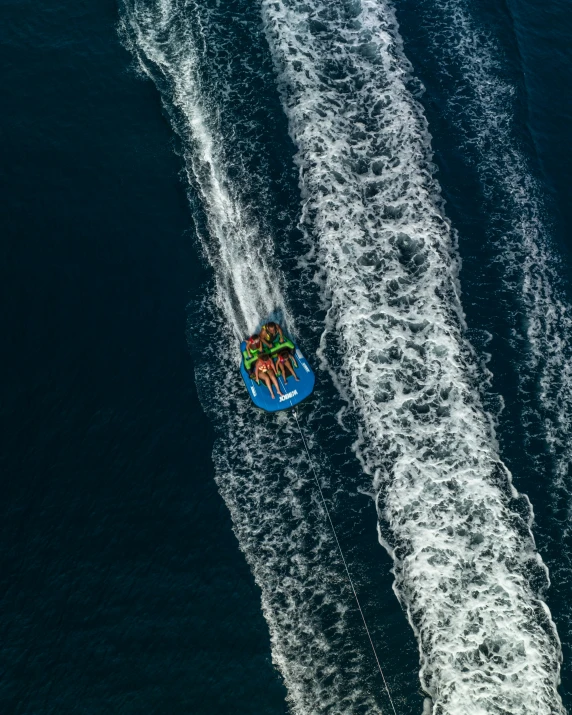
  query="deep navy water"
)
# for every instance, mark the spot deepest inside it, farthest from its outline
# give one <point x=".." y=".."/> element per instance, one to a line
<point x="163" y="548"/>
<point x="122" y="587"/>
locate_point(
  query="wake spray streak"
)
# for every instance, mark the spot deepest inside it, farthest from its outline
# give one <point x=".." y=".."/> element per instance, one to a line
<point x="247" y="285"/>
<point x="484" y="102"/>
<point x="279" y="524"/>
<point x="464" y="557"/>
<point x="481" y="106"/>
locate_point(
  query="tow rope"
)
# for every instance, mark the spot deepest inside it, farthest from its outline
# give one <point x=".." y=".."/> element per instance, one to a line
<point x="295" y="413"/>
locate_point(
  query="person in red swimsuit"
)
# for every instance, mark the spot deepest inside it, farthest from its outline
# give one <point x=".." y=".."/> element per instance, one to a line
<point x="266" y="371"/>
<point x="285" y="364"/>
<point x="253" y="345"/>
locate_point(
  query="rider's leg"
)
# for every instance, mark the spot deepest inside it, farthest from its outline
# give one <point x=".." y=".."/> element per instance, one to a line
<point x="291" y="369"/>
<point x="266" y="380"/>
<point x="275" y="383"/>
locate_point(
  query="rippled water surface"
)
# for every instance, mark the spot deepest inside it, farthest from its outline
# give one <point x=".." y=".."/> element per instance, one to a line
<point x="390" y="182"/>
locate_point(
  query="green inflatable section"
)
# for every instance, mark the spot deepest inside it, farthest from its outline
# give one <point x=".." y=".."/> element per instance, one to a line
<point x="276" y="348"/>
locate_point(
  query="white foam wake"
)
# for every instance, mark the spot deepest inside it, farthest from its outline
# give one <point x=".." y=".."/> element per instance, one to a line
<point x="463" y="557"/>
<point x="484" y="102"/>
<point x="282" y="530"/>
<point x="248" y="285"/>
<point x="261" y="470"/>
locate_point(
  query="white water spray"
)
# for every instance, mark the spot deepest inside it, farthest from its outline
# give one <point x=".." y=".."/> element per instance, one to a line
<point x="394" y="343"/>
<point x="247" y="282"/>
<point x="279" y="525"/>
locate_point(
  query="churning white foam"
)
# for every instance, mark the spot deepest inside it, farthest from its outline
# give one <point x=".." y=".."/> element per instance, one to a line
<point x="284" y="535"/>
<point x="459" y="532"/>
<point x="247" y="283"/>
<point x="261" y="470"/>
<point x="484" y="101"/>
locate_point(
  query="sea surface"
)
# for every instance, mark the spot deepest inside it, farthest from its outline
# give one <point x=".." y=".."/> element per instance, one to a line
<point x="388" y="180"/>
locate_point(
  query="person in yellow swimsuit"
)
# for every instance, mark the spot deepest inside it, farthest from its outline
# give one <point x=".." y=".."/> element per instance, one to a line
<point x="270" y="333"/>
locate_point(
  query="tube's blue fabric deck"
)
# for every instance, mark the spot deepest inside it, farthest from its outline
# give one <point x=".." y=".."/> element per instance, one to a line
<point x="294" y="392"/>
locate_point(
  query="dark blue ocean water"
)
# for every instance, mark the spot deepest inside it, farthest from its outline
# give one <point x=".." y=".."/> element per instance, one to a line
<point x="124" y="588"/>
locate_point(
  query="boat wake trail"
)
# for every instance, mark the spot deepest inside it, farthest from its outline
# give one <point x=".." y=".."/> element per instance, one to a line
<point x="261" y="469"/>
<point x="465" y="563"/>
<point x="282" y="530"/>
<point x="482" y="107"/>
<point x="247" y="282"/>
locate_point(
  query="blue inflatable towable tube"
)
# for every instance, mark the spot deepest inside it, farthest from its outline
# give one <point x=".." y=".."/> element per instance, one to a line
<point x="293" y="392"/>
